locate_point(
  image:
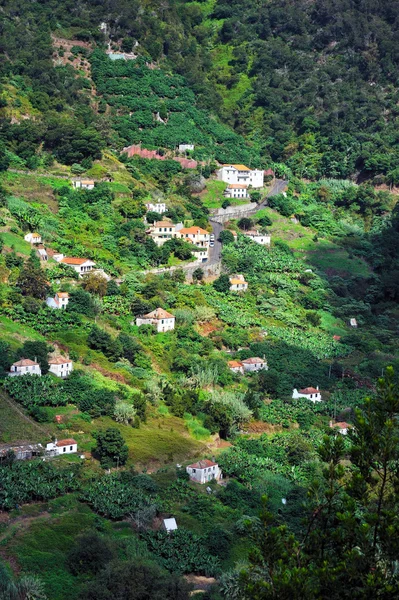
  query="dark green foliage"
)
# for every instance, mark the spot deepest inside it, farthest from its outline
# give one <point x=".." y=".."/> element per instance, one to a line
<point x="32" y="280"/>
<point x="98" y="339"/>
<point x="116" y="497"/>
<point x="33" y="391"/>
<point x="34" y="481"/>
<point x="81" y="302"/>
<point x="222" y="284"/>
<point x="6" y="358"/>
<point x="111" y="449"/>
<point x="226" y="237"/>
<point x="181" y="552"/>
<point x="135" y="581"/>
<point x="90" y="554"/>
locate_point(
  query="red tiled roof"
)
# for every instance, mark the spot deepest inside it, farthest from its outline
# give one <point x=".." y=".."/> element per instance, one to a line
<point x="234" y="363"/>
<point x="253" y="360"/>
<point x="59" y="360"/>
<point x="341" y="425"/>
<point x="237" y="186"/>
<point x="74" y="261"/>
<point x="62" y="294"/>
<point x="67" y="442"/>
<point x="194" y="230"/>
<point x="159" y="313"/>
<point x="309" y="390"/>
<point x="25" y="362"/>
<point x="203" y="464"/>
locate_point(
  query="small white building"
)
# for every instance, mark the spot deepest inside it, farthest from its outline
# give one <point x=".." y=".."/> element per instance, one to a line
<point x="260" y="238"/>
<point x="33" y="238"/>
<point x="60" y="366"/>
<point x="170" y="524"/>
<point x="236" y="366"/>
<point x="254" y="364"/>
<point x="42" y="254"/>
<point x="196" y="235"/>
<point x="342" y="427"/>
<point x="25" y="366"/>
<point x="68" y="446"/>
<point x="241" y="174"/>
<point x="200" y="255"/>
<point x="353" y="322"/>
<point x="236" y="190"/>
<point x="83" y="184"/>
<point x="60" y="300"/>
<point x="204" y="471"/>
<point x="158" y="207"/>
<point x="80" y="265"/>
<point x="186" y="147"/>
<point x="159" y="317"/>
<point x="238" y="284"/>
<point x="310" y="393"/>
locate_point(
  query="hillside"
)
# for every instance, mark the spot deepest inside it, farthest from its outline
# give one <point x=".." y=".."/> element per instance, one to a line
<point x="268" y="360"/>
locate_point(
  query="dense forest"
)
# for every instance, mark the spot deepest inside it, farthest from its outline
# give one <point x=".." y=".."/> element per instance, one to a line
<point x="308" y="505"/>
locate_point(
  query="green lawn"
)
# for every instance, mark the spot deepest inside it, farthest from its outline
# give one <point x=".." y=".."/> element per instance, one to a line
<point x="16" y="333"/>
<point x="14" y="428"/>
<point x="213" y="197"/>
<point x="11" y="239"/>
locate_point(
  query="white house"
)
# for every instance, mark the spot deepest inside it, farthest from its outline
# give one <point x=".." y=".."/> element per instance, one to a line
<point x="60" y="300"/>
<point x="158" y="207"/>
<point x="241" y="174"/>
<point x="200" y="254"/>
<point x="310" y="393"/>
<point x="203" y="471"/>
<point x="238" y="284"/>
<point x="33" y="238"/>
<point x="68" y="446"/>
<point x="236" y="190"/>
<point x="159" y="317"/>
<point x="353" y="322"/>
<point x="170" y="524"/>
<point x="254" y="364"/>
<point x="25" y="366"/>
<point x="60" y="366"/>
<point x="83" y="184"/>
<point x="186" y="147"/>
<point x="162" y="231"/>
<point x="236" y="366"/>
<point x="81" y="265"/>
<point x="259" y="238"/>
<point x="42" y="254"/>
<point x="342" y="427"/>
<point x="195" y="235"/>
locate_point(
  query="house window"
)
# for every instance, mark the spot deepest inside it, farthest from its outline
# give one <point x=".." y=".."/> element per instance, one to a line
<point x="311" y="396"/>
<point x="64" y="449"/>
<point x="194" y="470"/>
<point x="70" y="448"/>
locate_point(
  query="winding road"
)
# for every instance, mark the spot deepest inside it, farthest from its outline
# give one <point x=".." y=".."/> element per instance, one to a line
<point x="215" y="253"/>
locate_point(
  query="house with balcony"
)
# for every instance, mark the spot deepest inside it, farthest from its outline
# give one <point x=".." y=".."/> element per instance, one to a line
<point x="196" y="235"/>
<point x="204" y="471"/>
<point x="80" y="265"/>
<point x="162" y="231"/>
<point x="236" y="190"/>
<point x="158" y="207"/>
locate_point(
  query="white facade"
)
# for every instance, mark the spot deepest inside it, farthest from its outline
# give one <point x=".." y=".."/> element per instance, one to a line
<point x="83" y="184"/>
<point x="201" y="256"/>
<point x="25" y="366"/>
<point x="259" y="238"/>
<point x="160" y="318"/>
<point x="196" y="235"/>
<point x="238" y="284"/>
<point x="233" y="174"/>
<point x="310" y="393"/>
<point x="33" y="238"/>
<point x="186" y="147"/>
<point x="162" y="231"/>
<point x="254" y="364"/>
<point x="204" y="471"/>
<point x="236" y="190"/>
<point x="158" y="207"/>
<point x="42" y="254"/>
<point x="60" y="447"/>
<point x="236" y="366"/>
<point x="81" y="265"/>
<point x="60" y="366"/>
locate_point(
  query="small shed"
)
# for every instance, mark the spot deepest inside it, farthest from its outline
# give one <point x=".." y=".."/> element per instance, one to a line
<point x="353" y="322"/>
<point x="170" y="524"/>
